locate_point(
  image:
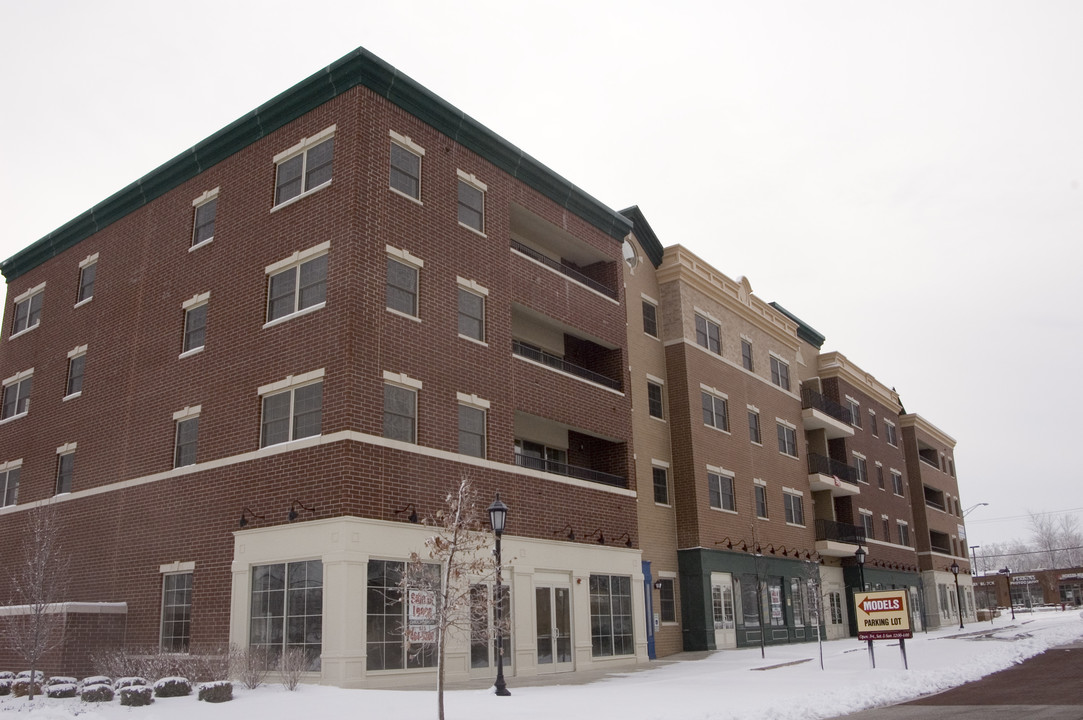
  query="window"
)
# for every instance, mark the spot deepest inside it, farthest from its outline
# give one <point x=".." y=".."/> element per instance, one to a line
<point x="754" y="427"/>
<point x="862" y="469"/>
<point x="780" y="373"/>
<point x="471" y="202"/>
<point x="471" y="431"/>
<point x="866" y="523"/>
<point x="176" y="612"/>
<point x="708" y="335"/>
<point x="720" y="492"/>
<point x="904" y="532"/>
<point x="297" y="284"/>
<point x="400" y="413"/>
<point x="195" y="323"/>
<point x="661" y="485"/>
<point x="887" y="530"/>
<point x="406" y="166"/>
<point x="611" y="615"/>
<point x="27" y="310"/>
<point x="835" y="599"/>
<point x="9" y="483"/>
<point x="897" y="484"/>
<point x="889" y="433"/>
<point x="304" y="167"/>
<point x="855" y="412"/>
<point x="787" y="440"/>
<point x="391" y="643"/>
<point x="471" y="315"/>
<point x="872" y="425"/>
<point x="795" y="511"/>
<point x="17" y="394"/>
<point x="402" y="288"/>
<point x="75" y="372"/>
<point x="715" y="411"/>
<point x="667" y="600"/>
<point x="761" y="501"/>
<point x="880" y="475"/>
<point x="65" y="468"/>
<point x="650" y="319"/>
<point x="293" y="414"/>
<point x="539" y="457"/>
<point x="746" y="355"/>
<point x="722" y="606"/>
<point x="490" y="607"/>
<point x="654" y="400"/>
<point x="87" y="273"/>
<point x="287" y="609"/>
<point x="184" y="447"/>
<point x="203" y="225"/>
<point x="951" y="467"/>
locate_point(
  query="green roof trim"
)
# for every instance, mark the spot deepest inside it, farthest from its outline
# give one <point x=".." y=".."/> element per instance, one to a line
<point x="359" y="67"/>
<point x="643" y="232"/>
<point x="804" y="331"/>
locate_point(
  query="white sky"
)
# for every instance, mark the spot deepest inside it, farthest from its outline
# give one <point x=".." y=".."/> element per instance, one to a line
<point x="904" y="177"/>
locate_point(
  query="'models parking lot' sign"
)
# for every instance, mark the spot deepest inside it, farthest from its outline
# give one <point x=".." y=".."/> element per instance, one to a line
<point x="882" y="615"/>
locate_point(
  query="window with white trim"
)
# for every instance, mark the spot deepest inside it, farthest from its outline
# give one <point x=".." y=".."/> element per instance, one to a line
<point x="761" y="501"/>
<point x="403" y="269"/>
<point x="887" y="529"/>
<point x="889" y="433"/>
<point x="780" y="373"/>
<point x="746" y="355"/>
<point x="650" y="319"/>
<point x="720" y="493"/>
<point x="708" y="334"/>
<point x="471" y="314"/>
<point x="904" y="532"/>
<point x="65" y="470"/>
<point x="655" y="406"/>
<point x="897" y="484"/>
<point x="76" y="364"/>
<point x="880" y="475"/>
<point x="661" y="485"/>
<point x="298" y="283"/>
<point x="287" y="609"/>
<point x="205" y="211"/>
<point x="667" y="600"/>
<point x="17" y="394"/>
<point x="304" y="167"/>
<point x="400" y="411"/>
<point x="27" y="313"/>
<point x="405" y="166"/>
<point x="855" y="411"/>
<point x="862" y="468"/>
<point x="471" y="430"/>
<point x="176" y="612"/>
<point x="185" y="436"/>
<point x="715" y="411"/>
<point x="88" y="271"/>
<point x="291" y="413"/>
<point x="195" y="323"/>
<point x="754" y="427"/>
<point x="787" y="440"/>
<point x="9" y="482"/>
<point x="389" y="644"/>
<point x="471" y="202"/>
<point x="611" y="615"/>
<point x="867" y="524"/>
<point x="795" y="509"/>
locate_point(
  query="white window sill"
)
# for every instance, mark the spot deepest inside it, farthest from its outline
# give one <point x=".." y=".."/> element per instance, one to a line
<point x="474" y="340"/>
<point x="761" y="517"/>
<point x="297" y="198"/>
<point x="14" y="417"/>
<point x="83" y="302"/>
<point x="472" y="229"/>
<point x="23" y="332"/>
<point x="724" y="510"/>
<point x="717" y="429"/>
<point x="411" y="198"/>
<point x="792" y="457"/>
<point x="662" y="505"/>
<point x="291" y="316"/>
<point x="655" y="417"/>
<point x="795" y="524"/>
<point x="190" y="353"/>
<point x="401" y="314"/>
<point x="652" y="337"/>
<point x="74" y="395"/>
<point x="758" y="444"/>
<point x="200" y="244"/>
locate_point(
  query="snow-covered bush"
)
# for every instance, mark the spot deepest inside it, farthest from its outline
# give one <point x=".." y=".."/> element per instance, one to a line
<point x="172" y="687"/>
<point x="124" y="682"/>
<point x="62" y="690"/>
<point x="136" y="696"/>
<point x="25" y="674"/>
<point x="98" y="680"/>
<point x="216" y="692"/>
<point x="7" y="675"/>
<point x="20" y="687"/>
<point x="98" y="692"/>
<point x="5" y="686"/>
<point x="60" y="680"/>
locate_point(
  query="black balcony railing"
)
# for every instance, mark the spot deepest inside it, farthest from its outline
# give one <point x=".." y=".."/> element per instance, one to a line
<point x="812" y="399"/>
<point x="563" y="269"/>
<point x="559" y="468"/>
<point x="927" y="461"/>
<point x="544" y="358"/>
<point x="840" y="532"/>
<point x="818" y="464"/>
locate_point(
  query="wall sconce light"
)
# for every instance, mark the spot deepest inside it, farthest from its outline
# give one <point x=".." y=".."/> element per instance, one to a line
<point x="412" y="517"/>
<point x="627" y="540"/>
<point x="657" y="584"/>
<point x="571" y="533"/>
<point x="244" y="520"/>
<point x="292" y="514"/>
<point x="725" y="541"/>
<point x="601" y="537"/>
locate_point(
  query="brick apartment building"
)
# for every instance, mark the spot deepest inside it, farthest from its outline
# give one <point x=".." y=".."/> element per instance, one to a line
<point x="253" y="369"/>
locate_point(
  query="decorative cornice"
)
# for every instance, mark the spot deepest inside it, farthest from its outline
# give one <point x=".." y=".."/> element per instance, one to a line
<point x="835" y="364"/>
<point x="918" y="422"/>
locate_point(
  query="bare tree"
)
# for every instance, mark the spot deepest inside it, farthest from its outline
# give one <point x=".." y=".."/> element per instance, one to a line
<point x="1046" y="536"/>
<point x="813" y="581"/>
<point x="1071" y="540"/>
<point x="38" y="582"/>
<point x="441" y="603"/>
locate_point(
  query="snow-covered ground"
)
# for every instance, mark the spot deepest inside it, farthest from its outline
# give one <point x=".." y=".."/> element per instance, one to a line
<point x="725" y="685"/>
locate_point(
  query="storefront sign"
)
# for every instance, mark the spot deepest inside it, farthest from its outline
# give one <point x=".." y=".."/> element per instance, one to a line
<point x="421" y="616"/>
<point x="882" y="615"/>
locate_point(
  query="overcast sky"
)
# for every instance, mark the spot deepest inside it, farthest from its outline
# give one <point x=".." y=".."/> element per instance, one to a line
<point x="904" y="177"/>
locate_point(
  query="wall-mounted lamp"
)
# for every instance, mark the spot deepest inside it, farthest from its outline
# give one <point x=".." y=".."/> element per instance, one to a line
<point x="292" y="514"/>
<point x="725" y="541"/>
<point x="657" y="584"/>
<point x="412" y="517"/>
<point x="627" y="540"/>
<point x="571" y="533"/>
<point x="598" y="532"/>
<point x="249" y="513"/>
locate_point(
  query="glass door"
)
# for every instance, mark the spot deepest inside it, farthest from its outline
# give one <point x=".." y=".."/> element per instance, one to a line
<point x="725" y="628"/>
<point x="553" y="609"/>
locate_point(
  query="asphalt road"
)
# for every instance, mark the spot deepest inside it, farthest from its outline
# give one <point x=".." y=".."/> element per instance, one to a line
<point x="1046" y="687"/>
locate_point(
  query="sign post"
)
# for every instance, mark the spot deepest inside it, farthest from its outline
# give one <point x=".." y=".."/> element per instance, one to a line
<point x="883" y="615"/>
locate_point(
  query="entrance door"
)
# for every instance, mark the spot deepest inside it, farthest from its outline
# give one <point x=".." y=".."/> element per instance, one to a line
<point x="553" y="608"/>
<point x="725" y="629"/>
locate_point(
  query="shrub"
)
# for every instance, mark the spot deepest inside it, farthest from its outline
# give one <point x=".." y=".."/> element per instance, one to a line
<point x="290" y="666"/>
<point x="200" y="664"/>
<point x="251" y="665"/>
<point x="60" y="680"/>
<point x="172" y="687"/>
<point x="61" y="690"/>
<point x="124" y="682"/>
<point x="97" y="680"/>
<point x="216" y="692"/>
<point x="136" y="696"/>
<point x="99" y="692"/>
<point x="5" y="686"/>
<point x="7" y="675"/>
<point x="20" y="687"/>
<point x="25" y="674"/>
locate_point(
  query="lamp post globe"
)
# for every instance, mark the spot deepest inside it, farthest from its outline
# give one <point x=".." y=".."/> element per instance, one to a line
<point x="498" y="517"/>
<point x="859" y="556"/>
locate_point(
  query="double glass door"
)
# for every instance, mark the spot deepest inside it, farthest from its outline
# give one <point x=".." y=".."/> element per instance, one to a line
<point x="553" y="608"/>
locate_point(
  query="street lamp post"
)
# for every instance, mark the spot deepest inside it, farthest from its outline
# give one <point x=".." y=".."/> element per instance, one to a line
<point x="958" y="594"/>
<point x="859" y="555"/>
<point x="498" y="517"/>
<point x="1007" y="573"/>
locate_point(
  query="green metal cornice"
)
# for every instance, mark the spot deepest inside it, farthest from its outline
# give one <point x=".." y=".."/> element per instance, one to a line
<point x="804" y="330"/>
<point x="645" y="234"/>
<point x="359" y="67"/>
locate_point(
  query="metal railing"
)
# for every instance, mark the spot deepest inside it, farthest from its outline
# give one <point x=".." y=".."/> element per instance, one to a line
<point x="544" y="358"/>
<point x="818" y="464"/>
<point x="812" y="399"/>
<point x="840" y="532"/>
<point x="927" y="461"/>
<point x="559" y="468"/>
<point x="563" y="269"/>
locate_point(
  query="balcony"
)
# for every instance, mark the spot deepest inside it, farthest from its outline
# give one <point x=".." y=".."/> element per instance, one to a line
<point x="560" y="252"/>
<point x="551" y="447"/>
<point x="552" y="344"/>
<point x="837" y="539"/>
<point x="821" y="413"/>
<point x="559" y="468"/>
<point x="541" y="357"/>
<point x="836" y="477"/>
<point x="564" y="269"/>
